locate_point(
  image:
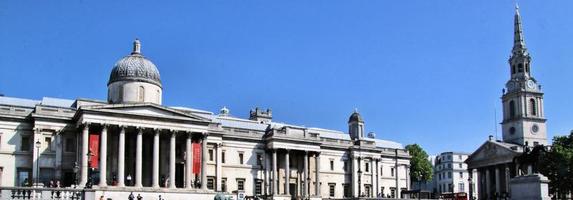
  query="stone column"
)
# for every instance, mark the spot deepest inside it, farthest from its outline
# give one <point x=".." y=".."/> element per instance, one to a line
<point x="487" y="184"/>
<point x="103" y="157"/>
<point x="305" y="175"/>
<point x="35" y="156"/>
<point x="397" y="174"/>
<point x="139" y="158"/>
<point x="155" y="173"/>
<point x="317" y="160"/>
<point x="372" y="176"/>
<point x="189" y="162"/>
<point x="507" y="177"/>
<point x="355" y="176"/>
<point x="377" y="188"/>
<point x="517" y="171"/>
<point x="59" y="153"/>
<point x="121" y="158"/>
<point x="172" y="160"/>
<point x="204" y="162"/>
<point x="275" y="173"/>
<point x="287" y="172"/>
<point x="497" y="180"/>
<point x="218" y="167"/>
<point x="84" y="155"/>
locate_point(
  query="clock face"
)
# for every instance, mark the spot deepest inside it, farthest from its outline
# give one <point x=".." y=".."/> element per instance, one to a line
<point x="534" y="129"/>
<point x="530" y="84"/>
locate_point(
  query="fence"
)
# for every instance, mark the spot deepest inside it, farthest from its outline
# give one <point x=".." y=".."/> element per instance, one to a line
<point x="38" y="193"/>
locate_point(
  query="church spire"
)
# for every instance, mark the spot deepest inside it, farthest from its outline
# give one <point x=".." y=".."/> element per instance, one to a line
<point x="518" y="41"/>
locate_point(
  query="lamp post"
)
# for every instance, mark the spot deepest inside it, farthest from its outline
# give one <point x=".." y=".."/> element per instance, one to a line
<point x="38" y="145"/>
<point x="76" y="169"/>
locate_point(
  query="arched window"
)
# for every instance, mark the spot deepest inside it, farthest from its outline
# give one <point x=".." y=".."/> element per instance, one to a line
<point x="141" y="93"/>
<point x="520" y="67"/>
<point x="533" y="107"/>
<point x="527" y="67"/>
<point x="512" y="69"/>
<point x="511" y="109"/>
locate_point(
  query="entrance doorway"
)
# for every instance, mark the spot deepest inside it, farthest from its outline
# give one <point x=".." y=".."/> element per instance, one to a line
<point x="179" y="169"/>
<point x="292" y="190"/>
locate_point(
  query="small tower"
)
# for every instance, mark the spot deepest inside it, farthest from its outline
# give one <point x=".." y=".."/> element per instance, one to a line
<point x="224" y="112"/>
<point x="261" y="116"/>
<point x="523" y="113"/>
<point x="356" y="126"/>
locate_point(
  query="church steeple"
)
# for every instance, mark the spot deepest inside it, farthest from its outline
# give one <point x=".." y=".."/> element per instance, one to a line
<point x="520" y="60"/>
<point x="523" y="114"/>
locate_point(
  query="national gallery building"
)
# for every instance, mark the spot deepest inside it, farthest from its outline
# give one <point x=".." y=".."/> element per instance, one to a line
<point x="132" y="143"/>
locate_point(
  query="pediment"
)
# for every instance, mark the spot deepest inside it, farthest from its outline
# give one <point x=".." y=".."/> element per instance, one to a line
<point x="150" y="110"/>
<point x="491" y="153"/>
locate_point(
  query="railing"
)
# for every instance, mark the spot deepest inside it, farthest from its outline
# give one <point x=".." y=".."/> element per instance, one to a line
<point x="38" y="193"/>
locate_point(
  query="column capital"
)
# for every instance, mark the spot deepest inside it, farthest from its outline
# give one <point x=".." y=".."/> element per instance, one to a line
<point x="104" y="125"/>
<point x="140" y="129"/>
<point x="121" y="126"/>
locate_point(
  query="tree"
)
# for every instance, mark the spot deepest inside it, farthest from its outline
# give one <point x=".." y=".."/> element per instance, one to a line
<point x="557" y="165"/>
<point x="420" y="166"/>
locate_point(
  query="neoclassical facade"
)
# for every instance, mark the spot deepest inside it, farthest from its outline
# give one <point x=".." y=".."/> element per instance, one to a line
<point x="133" y="143"/>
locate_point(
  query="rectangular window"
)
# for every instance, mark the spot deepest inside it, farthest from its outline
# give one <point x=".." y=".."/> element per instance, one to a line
<point x="367" y="167"/>
<point x="367" y="190"/>
<point x="211" y="155"/>
<point x="461" y="187"/>
<point x="48" y="141"/>
<point x="210" y="182"/>
<point x="461" y="175"/>
<point x="241" y="158"/>
<point x="449" y="165"/>
<point x="392" y="171"/>
<point x="393" y="192"/>
<point x="460" y="157"/>
<point x="224" y="184"/>
<point x="461" y="166"/>
<point x="331" y="187"/>
<point x="345" y="166"/>
<point x="240" y="184"/>
<point x="381" y="170"/>
<point x="25" y="143"/>
<point x="24" y="177"/>
<point x="223" y="157"/>
<point x="259" y="159"/>
<point x="258" y="186"/>
<point x="449" y="174"/>
<point x="382" y="191"/>
<point x="331" y="164"/>
<point x="70" y="145"/>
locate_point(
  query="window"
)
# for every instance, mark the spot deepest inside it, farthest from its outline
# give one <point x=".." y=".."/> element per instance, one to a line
<point x="223" y="157"/>
<point x="460" y="157"/>
<point x="450" y="157"/>
<point x="258" y="186"/>
<point x="449" y="165"/>
<point x="210" y="154"/>
<point x="210" y="182"/>
<point x="393" y="192"/>
<point x="224" y="184"/>
<point x="439" y="176"/>
<point x="461" y="187"/>
<point x="511" y="109"/>
<point x="25" y="146"/>
<point x="461" y="175"/>
<point x="367" y="190"/>
<point x="259" y="159"/>
<point x="461" y="166"/>
<point x="331" y="187"/>
<point x="520" y="67"/>
<point x="240" y="184"/>
<point x="331" y="164"/>
<point x="392" y="171"/>
<point x="241" y="158"/>
<point x="513" y="69"/>
<point x="141" y="93"/>
<point x="533" y="107"/>
<point x="70" y="145"/>
<point x="24" y="176"/>
<point x="346" y="189"/>
<point x="381" y="170"/>
<point x="367" y="166"/>
<point x="345" y="166"/>
<point x="449" y="174"/>
<point x="382" y="191"/>
<point x="48" y="141"/>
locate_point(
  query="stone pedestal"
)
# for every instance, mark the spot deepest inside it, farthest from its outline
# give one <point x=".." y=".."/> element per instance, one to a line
<point x="534" y="187"/>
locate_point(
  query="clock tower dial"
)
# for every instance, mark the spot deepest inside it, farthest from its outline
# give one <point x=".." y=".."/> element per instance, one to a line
<point x="523" y="113"/>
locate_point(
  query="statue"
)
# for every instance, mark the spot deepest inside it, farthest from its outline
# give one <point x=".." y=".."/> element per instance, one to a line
<point x="220" y="196"/>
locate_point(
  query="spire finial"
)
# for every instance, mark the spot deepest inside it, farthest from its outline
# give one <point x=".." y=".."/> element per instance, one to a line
<point x="518" y="41"/>
<point x="355" y="110"/>
<point x="136" y="47"/>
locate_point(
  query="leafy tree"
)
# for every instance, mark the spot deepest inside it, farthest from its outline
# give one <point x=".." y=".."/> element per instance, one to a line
<point x="557" y="165"/>
<point x="420" y="166"/>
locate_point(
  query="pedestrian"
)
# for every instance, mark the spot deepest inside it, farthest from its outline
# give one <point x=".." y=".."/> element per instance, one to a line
<point x="139" y="197"/>
<point x="131" y="197"/>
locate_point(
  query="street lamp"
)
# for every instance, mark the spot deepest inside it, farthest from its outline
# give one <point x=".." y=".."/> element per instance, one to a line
<point x="38" y="145"/>
<point x="76" y="170"/>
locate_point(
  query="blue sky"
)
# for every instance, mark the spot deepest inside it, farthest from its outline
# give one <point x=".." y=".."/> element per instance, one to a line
<point x="426" y="72"/>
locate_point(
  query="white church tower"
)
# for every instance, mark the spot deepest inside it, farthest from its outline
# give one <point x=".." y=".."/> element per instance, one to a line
<point x="523" y="114"/>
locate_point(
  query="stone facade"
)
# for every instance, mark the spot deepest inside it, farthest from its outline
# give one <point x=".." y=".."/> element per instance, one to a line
<point x="140" y="145"/>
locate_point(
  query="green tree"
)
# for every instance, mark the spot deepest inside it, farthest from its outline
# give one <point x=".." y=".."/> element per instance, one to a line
<point x="557" y="165"/>
<point x="420" y="166"/>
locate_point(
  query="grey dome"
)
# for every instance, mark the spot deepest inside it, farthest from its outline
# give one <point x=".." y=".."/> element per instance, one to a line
<point x="135" y="67"/>
<point x="355" y="117"/>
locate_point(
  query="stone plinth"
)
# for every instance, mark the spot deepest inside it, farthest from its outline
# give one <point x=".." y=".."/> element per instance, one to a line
<point x="534" y="187"/>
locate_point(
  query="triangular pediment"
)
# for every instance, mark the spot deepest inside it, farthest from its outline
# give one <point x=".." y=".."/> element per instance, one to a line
<point x="146" y="110"/>
<point x="493" y="152"/>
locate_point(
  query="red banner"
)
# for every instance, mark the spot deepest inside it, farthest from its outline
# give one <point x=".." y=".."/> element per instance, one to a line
<point x="94" y="148"/>
<point x="196" y="158"/>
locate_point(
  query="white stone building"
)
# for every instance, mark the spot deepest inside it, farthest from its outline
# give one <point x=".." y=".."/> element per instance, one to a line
<point x="451" y="173"/>
<point x="139" y="145"/>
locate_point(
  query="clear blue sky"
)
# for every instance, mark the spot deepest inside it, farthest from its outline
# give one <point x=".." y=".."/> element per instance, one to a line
<point x="426" y="72"/>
